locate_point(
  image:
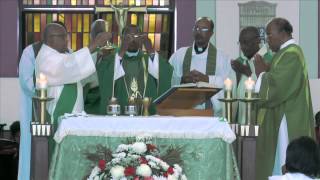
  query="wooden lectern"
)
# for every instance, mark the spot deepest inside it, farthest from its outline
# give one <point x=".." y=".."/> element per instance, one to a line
<point x="180" y="101"/>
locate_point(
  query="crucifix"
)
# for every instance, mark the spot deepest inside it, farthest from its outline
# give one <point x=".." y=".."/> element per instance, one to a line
<point x="121" y="13"/>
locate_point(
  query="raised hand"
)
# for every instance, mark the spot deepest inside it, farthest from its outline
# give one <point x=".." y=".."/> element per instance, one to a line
<point x="260" y="65"/>
<point x="240" y="68"/>
<point x="100" y="40"/>
<point x="124" y="45"/>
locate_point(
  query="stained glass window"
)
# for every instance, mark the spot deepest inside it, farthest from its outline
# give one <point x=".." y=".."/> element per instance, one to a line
<point x="156" y="22"/>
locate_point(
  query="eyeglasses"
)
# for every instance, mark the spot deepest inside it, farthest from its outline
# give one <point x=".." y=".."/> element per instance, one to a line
<point x="197" y="29"/>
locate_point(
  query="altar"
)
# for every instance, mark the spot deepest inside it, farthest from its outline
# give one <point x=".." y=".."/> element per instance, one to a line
<point x="204" y="143"/>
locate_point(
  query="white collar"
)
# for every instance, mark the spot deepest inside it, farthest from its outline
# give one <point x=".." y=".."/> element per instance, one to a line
<point x="205" y="53"/>
<point x="132" y="54"/>
<point x="289" y="42"/>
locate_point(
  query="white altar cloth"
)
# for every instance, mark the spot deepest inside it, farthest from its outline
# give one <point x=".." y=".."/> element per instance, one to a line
<point x="156" y="126"/>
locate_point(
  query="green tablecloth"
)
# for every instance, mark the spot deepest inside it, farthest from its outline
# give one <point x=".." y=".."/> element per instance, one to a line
<point x="204" y="159"/>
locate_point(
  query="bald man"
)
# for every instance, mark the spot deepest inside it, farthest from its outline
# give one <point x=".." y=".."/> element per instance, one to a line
<point x="249" y="41"/>
<point x="64" y="71"/>
<point x="202" y="62"/>
<point x="286" y="109"/>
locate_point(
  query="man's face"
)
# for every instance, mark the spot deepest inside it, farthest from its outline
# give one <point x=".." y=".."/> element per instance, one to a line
<point x="249" y="44"/>
<point x="274" y="37"/>
<point x="59" y="40"/>
<point x="134" y="39"/>
<point x="202" y="33"/>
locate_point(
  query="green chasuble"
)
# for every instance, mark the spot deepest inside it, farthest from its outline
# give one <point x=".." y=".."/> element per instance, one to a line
<point x="133" y="68"/>
<point x="284" y="91"/>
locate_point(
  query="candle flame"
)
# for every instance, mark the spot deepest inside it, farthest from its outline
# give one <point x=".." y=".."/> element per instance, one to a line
<point x="249" y="83"/>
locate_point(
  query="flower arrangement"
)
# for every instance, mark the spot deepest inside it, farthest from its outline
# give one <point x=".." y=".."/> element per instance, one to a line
<point x="137" y="161"/>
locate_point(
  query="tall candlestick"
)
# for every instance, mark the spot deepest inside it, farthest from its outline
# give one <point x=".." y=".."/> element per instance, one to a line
<point x="41" y="86"/>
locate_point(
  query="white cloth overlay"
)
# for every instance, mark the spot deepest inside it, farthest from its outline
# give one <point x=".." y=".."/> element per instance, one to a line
<point x="156" y="126"/>
<point x="283" y="139"/>
<point x="63" y="69"/>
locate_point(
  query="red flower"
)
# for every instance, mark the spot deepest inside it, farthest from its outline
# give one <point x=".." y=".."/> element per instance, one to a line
<point x="170" y="170"/>
<point x="143" y="160"/>
<point x="136" y="178"/>
<point x="102" y="164"/>
<point x="148" y="178"/>
<point x="151" y="147"/>
<point x="165" y="174"/>
<point x="130" y="171"/>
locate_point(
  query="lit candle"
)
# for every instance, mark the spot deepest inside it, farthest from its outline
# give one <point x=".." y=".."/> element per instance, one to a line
<point x="42" y="82"/>
<point x="249" y="83"/>
<point x="228" y="88"/>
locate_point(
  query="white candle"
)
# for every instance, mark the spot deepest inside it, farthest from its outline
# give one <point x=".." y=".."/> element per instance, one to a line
<point x="249" y="83"/>
<point x="42" y="82"/>
<point x="227" y="84"/>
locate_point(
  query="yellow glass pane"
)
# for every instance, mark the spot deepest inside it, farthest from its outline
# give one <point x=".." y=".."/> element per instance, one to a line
<point x="61" y="18"/>
<point x="85" y="39"/>
<point x="74" y="41"/>
<point x="74" y="23"/>
<point x="149" y="2"/>
<point x="152" y="22"/>
<point x="86" y="23"/>
<point x="119" y="40"/>
<point x="157" y="42"/>
<point x="54" y="17"/>
<point x="131" y="3"/>
<point x="29" y="22"/>
<point x="165" y="24"/>
<point x="151" y="37"/>
<point x="36" y="22"/>
<point x="106" y="2"/>
<point x="114" y="2"/>
<point x="79" y="23"/>
<point x="134" y="19"/>
<point x="109" y="20"/>
<point x="73" y="2"/>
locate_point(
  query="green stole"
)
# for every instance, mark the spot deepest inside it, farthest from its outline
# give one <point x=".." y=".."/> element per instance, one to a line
<point x="65" y="104"/>
<point x="211" y="60"/>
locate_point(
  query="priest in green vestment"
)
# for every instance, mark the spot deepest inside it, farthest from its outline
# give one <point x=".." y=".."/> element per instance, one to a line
<point x="286" y="109"/>
<point x="202" y="61"/>
<point x="91" y="84"/>
<point x="132" y="73"/>
<point x="249" y="40"/>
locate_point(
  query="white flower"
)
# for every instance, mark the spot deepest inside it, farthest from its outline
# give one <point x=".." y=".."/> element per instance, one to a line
<point x="119" y="155"/>
<point x="144" y="170"/>
<point x="177" y="168"/>
<point x="184" y="177"/>
<point x="95" y="171"/>
<point x="122" y="147"/>
<point x="139" y="147"/>
<point x="164" y="165"/>
<point x="171" y="177"/>
<point x="153" y="165"/>
<point x="117" y="172"/>
<point x="159" y="178"/>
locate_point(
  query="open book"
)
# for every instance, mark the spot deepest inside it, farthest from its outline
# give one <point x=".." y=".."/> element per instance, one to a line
<point x="197" y="84"/>
<point x="199" y="92"/>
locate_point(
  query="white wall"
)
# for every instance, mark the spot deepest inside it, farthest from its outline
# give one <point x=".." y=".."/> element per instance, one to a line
<point x="315" y="94"/>
<point x="227" y="22"/>
<point x="9" y="100"/>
